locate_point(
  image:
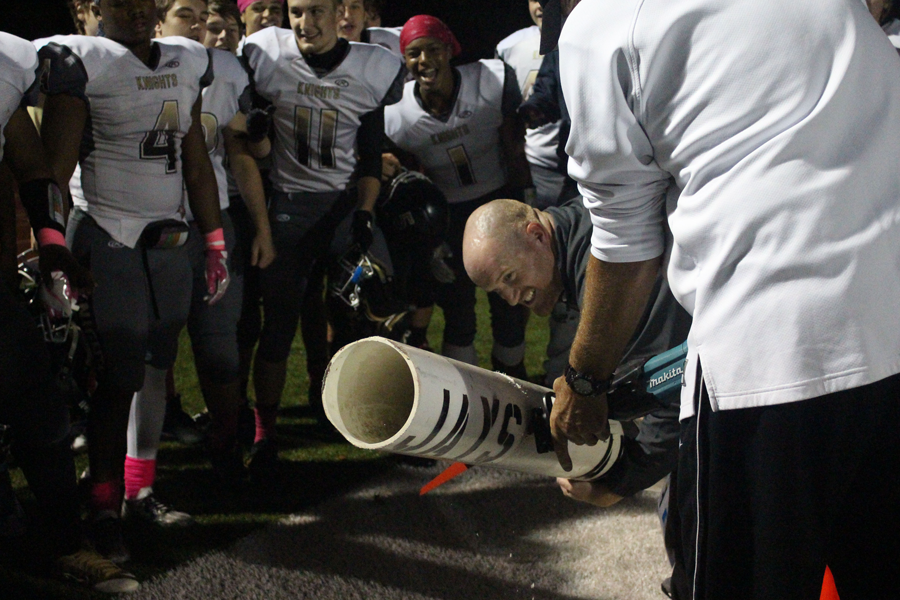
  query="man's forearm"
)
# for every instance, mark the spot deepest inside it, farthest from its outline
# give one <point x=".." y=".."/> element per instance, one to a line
<point x="249" y="182"/>
<point x="368" y="189"/>
<point x="200" y="182"/>
<point x="615" y="297"/>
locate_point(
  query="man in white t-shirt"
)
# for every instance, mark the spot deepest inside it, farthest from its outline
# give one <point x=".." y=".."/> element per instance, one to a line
<point x="784" y="250"/>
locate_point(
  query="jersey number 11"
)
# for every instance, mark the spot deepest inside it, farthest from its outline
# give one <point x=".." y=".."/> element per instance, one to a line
<point x="303" y="128"/>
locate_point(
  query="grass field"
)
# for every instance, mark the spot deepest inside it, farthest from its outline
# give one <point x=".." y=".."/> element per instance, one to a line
<point x="314" y="468"/>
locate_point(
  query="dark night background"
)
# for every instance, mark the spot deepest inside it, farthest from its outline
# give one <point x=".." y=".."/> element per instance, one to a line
<point x="479" y="24"/>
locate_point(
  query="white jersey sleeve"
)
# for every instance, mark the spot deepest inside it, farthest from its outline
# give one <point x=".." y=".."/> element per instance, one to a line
<point x="521" y="51"/>
<point x="317" y="118"/>
<point x="131" y="172"/>
<point x="461" y="155"/>
<point x="386" y="37"/>
<point x="228" y="94"/>
<point x="18" y="78"/>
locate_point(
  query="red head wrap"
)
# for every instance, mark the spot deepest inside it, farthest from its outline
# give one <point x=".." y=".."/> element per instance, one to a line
<point x="243" y="4"/>
<point x="427" y="26"/>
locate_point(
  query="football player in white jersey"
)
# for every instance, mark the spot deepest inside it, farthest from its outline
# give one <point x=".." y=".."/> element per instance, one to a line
<point x="212" y="328"/>
<point x="329" y="96"/>
<point x="521" y="51"/>
<point x="30" y="400"/>
<point x="461" y="126"/>
<point x="135" y="164"/>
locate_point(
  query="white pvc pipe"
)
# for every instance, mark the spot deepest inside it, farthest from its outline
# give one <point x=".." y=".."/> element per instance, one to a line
<point x="383" y="395"/>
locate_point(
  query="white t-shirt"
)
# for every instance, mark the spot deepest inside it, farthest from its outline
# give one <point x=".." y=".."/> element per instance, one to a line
<point x="317" y="118"/>
<point x="461" y="155"/>
<point x="777" y="122"/>
<point x="18" y="74"/>
<point x="521" y="51"/>
<point x="131" y="171"/>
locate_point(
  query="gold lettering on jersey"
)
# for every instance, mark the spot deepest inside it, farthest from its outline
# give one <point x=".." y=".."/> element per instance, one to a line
<point x="323" y="92"/>
<point x="157" y="82"/>
<point x="449" y="135"/>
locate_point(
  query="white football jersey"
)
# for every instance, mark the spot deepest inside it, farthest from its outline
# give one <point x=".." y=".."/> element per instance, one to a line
<point x="521" y="51"/>
<point x="386" y="37"/>
<point x="18" y="76"/>
<point x="222" y="99"/>
<point x="316" y="119"/>
<point x="461" y="155"/>
<point x="131" y="172"/>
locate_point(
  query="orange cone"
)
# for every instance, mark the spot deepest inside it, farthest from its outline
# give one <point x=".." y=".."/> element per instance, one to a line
<point x="829" y="591"/>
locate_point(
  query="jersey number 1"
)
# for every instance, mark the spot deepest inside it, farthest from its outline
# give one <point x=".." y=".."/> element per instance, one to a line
<point x="328" y="120"/>
<point x="159" y="143"/>
<point x="461" y="163"/>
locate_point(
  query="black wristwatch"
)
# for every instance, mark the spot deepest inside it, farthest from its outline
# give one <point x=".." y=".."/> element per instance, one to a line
<point x="585" y="385"/>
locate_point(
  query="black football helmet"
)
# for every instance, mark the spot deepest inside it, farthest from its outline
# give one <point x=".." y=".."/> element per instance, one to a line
<point x="413" y="210"/>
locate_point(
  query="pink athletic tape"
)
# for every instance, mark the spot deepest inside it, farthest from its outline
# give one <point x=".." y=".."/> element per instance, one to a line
<point x="215" y="240"/>
<point x="48" y="236"/>
<point x="140" y="473"/>
<point x="106" y="495"/>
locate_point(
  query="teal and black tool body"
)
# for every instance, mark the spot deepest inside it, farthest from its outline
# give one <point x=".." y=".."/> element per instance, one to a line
<point x="638" y="388"/>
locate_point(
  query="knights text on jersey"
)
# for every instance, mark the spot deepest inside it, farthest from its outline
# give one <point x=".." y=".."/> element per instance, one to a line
<point x="18" y="75"/>
<point x="228" y="94"/>
<point x="317" y="118"/>
<point x="462" y="154"/>
<point x="131" y="171"/>
<point x="521" y="51"/>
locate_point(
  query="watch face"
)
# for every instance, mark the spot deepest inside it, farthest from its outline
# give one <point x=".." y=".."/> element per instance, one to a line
<point x="582" y="387"/>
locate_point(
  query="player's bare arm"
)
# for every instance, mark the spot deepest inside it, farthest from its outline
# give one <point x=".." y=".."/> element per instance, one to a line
<point x="614" y="299"/>
<point x="368" y="189"/>
<point x="249" y="182"/>
<point x="61" y="129"/>
<point x="260" y="150"/>
<point x="199" y="177"/>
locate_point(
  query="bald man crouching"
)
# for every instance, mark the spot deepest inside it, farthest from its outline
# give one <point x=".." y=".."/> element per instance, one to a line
<point x="538" y="258"/>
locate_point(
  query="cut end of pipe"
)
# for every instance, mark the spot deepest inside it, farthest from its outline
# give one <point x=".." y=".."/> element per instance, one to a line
<point x="369" y="392"/>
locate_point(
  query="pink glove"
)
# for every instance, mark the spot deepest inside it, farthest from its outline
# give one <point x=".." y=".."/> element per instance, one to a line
<point x="216" y="265"/>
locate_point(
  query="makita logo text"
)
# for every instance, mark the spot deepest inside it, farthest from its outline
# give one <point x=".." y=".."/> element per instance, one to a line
<point x="666" y="377"/>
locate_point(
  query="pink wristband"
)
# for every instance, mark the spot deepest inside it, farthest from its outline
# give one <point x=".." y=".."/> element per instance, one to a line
<point x="48" y="236"/>
<point x="215" y="239"/>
